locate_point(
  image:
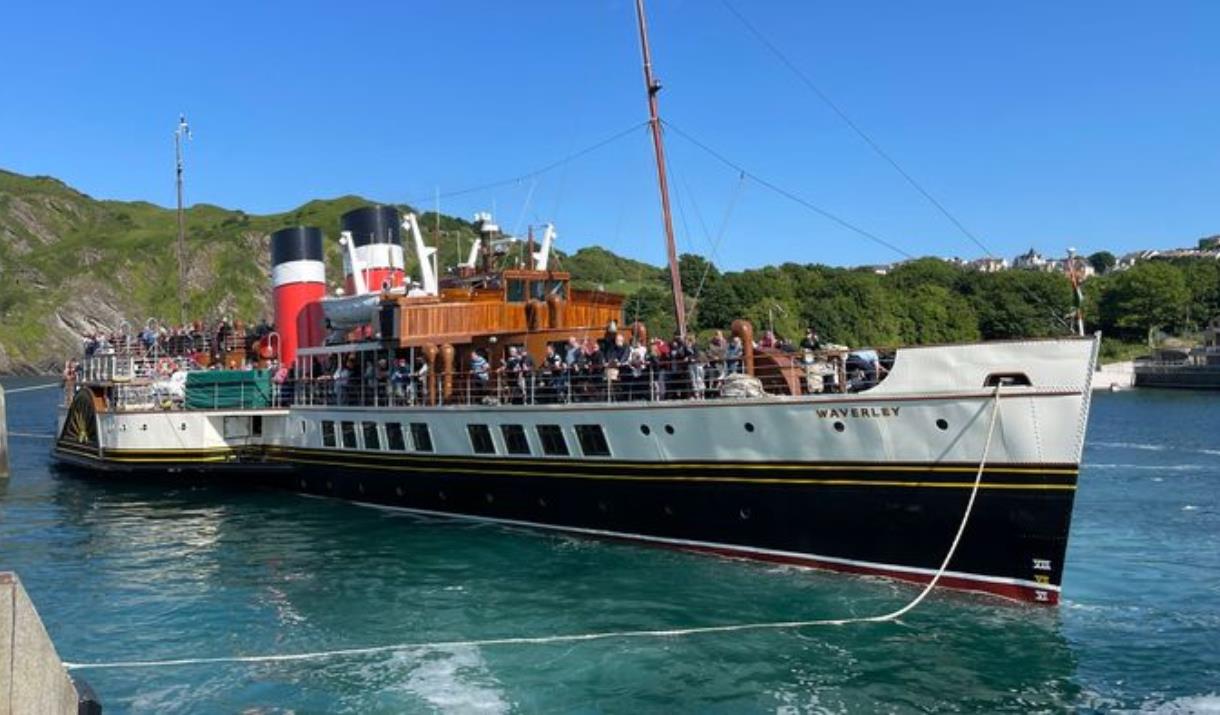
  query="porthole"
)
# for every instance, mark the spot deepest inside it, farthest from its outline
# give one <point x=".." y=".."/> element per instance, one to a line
<point x="182" y="426"/>
<point x="489" y="497"/>
<point x="542" y="502"/>
<point x="330" y="484"/>
<point x="744" y="513"/>
<point x="360" y="487"/>
<point x="645" y="430"/>
<point x="669" y="429"/>
<point x="304" y="485"/>
<point x="669" y="510"/>
<point x="398" y="491"/>
<point x="441" y="495"/>
<point x="749" y="427"/>
<point x="942" y="424"/>
<point x="143" y="428"/>
<point x="601" y="506"/>
<point x="839" y="427"/>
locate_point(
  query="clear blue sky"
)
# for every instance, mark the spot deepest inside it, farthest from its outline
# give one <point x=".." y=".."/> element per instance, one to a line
<point x="1092" y="124"/>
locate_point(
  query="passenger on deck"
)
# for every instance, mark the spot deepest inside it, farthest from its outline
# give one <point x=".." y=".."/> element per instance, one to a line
<point x="554" y="376"/>
<point x="733" y="356"/>
<point x="678" y="378"/>
<point x="811" y="341"/>
<point x="658" y="360"/>
<point x="617" y="357"/>
<point x="695" y="368"/>
<point x="480" y="373"/>
<point x="400" y="382"/>
<point x="767" y="340"/>
<point x="342" y="379"/>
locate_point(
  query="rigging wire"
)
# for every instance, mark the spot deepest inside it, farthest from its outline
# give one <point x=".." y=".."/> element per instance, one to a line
<point x="542" y="169"/>
<point x="786" y="193"/>
<point x="809" y="83"/>
<point x="724" y="224"/>
<point x="529" y="196"/>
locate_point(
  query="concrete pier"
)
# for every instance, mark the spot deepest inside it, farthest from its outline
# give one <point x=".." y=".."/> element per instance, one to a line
<point x="32" y="678"/>
<point x="3" y="437"/>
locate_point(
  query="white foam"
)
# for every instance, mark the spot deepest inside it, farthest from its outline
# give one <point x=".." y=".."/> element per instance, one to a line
<point x="456" y="680"/>
<point x="1209" y="703"/>
<point x="1146" y="447"/>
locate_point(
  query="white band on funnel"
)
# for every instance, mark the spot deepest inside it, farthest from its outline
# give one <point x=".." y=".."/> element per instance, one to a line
<point x="378" y="255"/>
<point x="298" y="272"/>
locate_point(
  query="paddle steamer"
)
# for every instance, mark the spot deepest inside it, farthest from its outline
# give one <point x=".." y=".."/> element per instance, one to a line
<point x="778" y="457"/>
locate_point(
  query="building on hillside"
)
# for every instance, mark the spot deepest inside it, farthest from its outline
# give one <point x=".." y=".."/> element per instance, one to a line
<point x="989" y="264"/>
<point x="1031" y="260"/>
<point x="1127" y="260"/>
<point x="1211" y="243"/>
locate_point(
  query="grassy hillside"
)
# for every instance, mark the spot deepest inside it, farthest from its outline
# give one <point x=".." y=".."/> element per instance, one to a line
<point x="71" y="264"/>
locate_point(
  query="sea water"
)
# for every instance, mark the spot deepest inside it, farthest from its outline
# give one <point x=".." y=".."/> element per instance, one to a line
<point x="137" y="571"/>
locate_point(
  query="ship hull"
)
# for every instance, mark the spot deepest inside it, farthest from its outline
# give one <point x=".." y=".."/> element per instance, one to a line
<point x="891" y="520"/>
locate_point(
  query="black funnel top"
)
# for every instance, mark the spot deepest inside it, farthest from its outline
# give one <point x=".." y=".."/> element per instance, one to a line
<point x="298" y="243"/>
<point x="373" y="224"/>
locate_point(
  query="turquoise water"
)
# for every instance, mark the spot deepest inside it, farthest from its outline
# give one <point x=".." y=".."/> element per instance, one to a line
<point x="143" y="571"/>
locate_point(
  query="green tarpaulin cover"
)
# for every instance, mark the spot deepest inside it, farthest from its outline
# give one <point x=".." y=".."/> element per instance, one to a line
<point x="228" y="389"/>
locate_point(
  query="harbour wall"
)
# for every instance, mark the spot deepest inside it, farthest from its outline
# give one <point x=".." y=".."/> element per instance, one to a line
<point x="32" y="678"/>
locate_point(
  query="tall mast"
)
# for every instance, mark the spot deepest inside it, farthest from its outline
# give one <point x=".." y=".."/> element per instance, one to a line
<point x="658" y="146"/>
<point x="182" y="132"/>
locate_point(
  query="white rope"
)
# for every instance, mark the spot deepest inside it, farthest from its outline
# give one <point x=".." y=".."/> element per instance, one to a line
<point x="33" y="435"/>
<point x="603" y="635"/>
<point x="47" y="386"/>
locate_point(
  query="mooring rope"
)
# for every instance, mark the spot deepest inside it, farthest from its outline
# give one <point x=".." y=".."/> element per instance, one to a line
<point x="33" y="435"/>
<point x="600" y="635"/>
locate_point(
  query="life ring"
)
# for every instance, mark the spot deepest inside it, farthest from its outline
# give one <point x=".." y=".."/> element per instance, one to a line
<point x="166" y="367"/>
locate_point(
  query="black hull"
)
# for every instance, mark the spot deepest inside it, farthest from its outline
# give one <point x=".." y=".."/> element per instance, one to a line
<point x="896" y="520"/>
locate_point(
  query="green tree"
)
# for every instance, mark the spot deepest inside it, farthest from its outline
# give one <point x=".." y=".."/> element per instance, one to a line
<point x="1150" y="295"/>
<point x="1102" y="261"/>
<point x="934" y="314"/>
<point x="1020" y="304"/>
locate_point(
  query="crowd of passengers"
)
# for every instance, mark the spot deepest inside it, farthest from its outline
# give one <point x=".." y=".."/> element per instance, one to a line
<point x="154" y="341"/>
<point x="578" y="370"/>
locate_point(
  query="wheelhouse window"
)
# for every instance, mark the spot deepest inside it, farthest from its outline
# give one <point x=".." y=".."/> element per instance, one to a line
<point x="394" y="437"/>
<point x="372" y="440"/>
<point x="480" y="439"/>
<point x="516" y="290"/>
<point x="559" y="288"/>
<point x="328" y="433"/>
<point x="553" y="442"/>
<point x="515" y="440"/>
<point x="538" y="290"/>
<point x="421" y="436"/>
<point x="592" y="441"/>
<point x="348" y="430"/>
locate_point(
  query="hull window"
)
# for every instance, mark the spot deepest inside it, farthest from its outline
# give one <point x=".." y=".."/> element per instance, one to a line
<point x="328" y="433"/>
<point x="515" y="440"/>
<point x="421" y="437"/>
<point x="348" y="431"/>
<point x="480" y="439"/>
<point x="372" y="439"/>
<point x="553" y="442"/>
<point x="394" y="437"/>
<point x="592" y="441"/>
